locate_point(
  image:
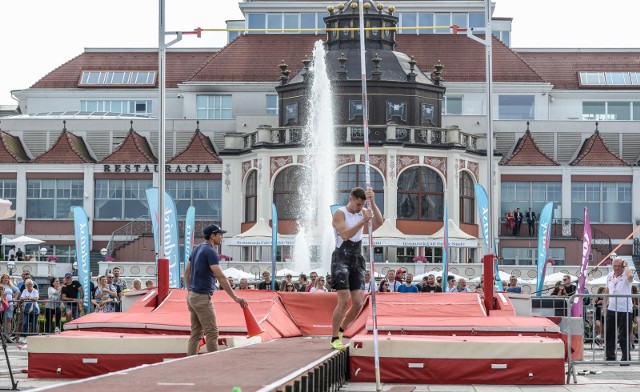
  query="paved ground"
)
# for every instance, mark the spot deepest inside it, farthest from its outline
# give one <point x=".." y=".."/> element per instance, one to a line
<point x="591" y="377"/>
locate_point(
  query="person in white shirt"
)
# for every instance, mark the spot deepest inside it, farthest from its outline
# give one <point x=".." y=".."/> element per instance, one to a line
<point x="619" y="310"/>
<point x="368" y="285"/>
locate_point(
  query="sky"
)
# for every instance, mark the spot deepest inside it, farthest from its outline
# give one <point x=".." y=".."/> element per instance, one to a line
<point x="37" y="36"/>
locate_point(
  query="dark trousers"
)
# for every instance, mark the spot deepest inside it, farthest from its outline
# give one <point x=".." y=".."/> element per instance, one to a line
<point x="52" y="319"/>
<point x="532" y="228"/>
<point x="617" y="323"/>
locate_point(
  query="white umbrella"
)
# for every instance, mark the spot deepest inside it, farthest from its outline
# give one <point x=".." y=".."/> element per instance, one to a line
<point x="286" y="271"/>
<point x="23" y="240"/>
<point x="235" y="273"/>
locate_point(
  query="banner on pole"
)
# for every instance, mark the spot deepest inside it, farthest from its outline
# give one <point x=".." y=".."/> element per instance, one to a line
<point x="274" y="243"/>
<point x="576" y="306"/>
<point x="189" y="225"/>
<point x="169" y="232"/>
<point x="544" y="235"/>
<point x="83" y="255"/>
<point x="445" y="250"/>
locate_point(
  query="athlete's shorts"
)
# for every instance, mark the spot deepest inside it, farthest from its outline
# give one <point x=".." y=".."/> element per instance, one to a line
<point x="347" y="267"/>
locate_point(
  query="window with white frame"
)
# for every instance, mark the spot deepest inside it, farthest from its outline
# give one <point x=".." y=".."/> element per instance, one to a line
<point x="204" y="195"/>
<point x="287" y="22"/>
<point x="451" y="105"/>
<point x="117" y="106"/>
<point x="528" y="256"/>
<point x="53" y="198"/>
<point x="516" y="107"/>
<point x="611" y="110"/>
<point x="606" y="202"/>
<point x="214" y="106"/>
<point x="272" y="104"/>
<point x="525" y="194"/>
<point x="8" y="191"/>
<point x="121" y="199"/>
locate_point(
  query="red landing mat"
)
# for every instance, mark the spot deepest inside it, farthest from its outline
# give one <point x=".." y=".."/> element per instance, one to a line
<point x="459" y="359"/>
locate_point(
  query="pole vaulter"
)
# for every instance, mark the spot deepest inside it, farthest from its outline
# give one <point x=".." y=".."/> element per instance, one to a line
<point x="365" y="127"/>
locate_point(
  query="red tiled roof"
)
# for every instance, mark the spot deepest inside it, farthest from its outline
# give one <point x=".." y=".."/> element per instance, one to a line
<point x="180" y="66"/>
<point x="594" y="152"/>
<point x="255" y="58"/>
<point x="245" y="59"/>
<point x="11" y="149"/>
<point x="69" y="148"/>
<point x="561" y="68"/>
<point x="199" y="150"/>
<point x="133" y="149"/>
<point x="527" y="153"/>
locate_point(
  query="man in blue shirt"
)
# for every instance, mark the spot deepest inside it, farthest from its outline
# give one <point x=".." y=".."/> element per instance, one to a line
<point x="200" y="277"/>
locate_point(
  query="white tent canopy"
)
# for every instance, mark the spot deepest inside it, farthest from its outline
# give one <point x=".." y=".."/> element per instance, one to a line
<point x="23" y="240"/>
<point x="603" y="280"/>
<point x="418" y="278"/>
<point x="235" y="273"/>
<point x="503" y="276"/>
<point x="258" y="235"/>
<point x="552" y="279"/>
<point x="386" y="235"/>
<point x="286" y="271"/>
<point x="457" y="237"/>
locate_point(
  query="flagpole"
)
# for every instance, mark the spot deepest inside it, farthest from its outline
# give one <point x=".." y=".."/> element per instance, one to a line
<point x="365" y="129"/>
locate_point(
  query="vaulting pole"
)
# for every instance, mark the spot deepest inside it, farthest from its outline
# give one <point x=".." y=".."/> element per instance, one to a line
<point x="365" y="127"/>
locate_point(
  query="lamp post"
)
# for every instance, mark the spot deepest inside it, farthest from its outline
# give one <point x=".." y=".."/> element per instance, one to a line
<point x="103" y="252"/>
<point x="74" y="268"/>
<point x="43" y="251"/>
<point x="11" y="266"/>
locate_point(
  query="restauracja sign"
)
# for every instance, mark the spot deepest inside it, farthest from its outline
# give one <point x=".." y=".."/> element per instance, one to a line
<point x="140" y="168"/>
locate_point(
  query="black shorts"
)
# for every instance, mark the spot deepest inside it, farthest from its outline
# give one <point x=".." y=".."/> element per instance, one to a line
<point x="347" y="267"/>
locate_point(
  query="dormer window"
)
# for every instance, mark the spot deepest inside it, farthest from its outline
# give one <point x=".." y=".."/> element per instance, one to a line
<point x="118" y="78"/>
<point x="593" y="79"/>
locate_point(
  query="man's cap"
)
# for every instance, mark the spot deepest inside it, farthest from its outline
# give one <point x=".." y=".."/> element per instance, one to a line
<point x="212" y="229"/>
<point x="67" y="275"/>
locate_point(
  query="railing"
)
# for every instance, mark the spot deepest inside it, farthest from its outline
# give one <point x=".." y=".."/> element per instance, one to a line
<point x="142" y="225"/>
<point x="561" y="228"/>
<point x="349" y="134"/>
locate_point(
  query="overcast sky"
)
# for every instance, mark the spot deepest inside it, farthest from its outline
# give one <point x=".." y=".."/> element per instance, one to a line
<point x="40" y="35"/>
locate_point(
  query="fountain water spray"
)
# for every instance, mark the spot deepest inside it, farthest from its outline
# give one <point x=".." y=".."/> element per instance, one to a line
<point x="316" y="240"/>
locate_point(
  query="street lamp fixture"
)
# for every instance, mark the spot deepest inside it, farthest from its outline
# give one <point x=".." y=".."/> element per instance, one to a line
<point x="103" y="252"/>
<point x="11" y="266"/>
<point x="43" y="251"/>
<point x="74" y="266"/>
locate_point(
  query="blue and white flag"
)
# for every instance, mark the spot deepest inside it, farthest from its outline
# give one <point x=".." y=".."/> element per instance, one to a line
<point x="544" y="235"/>
<point x="445" y="250"/>
<point x="83" y="255"/>
<point x="274" y="243"/>
<point x="482" y="202"/>
<point x="189" y="225"/>
<point x="169" y="232"/>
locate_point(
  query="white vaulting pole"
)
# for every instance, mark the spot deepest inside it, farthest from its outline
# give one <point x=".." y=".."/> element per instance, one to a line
<point x="365" y="128"/>
<point x="162" y="53"/>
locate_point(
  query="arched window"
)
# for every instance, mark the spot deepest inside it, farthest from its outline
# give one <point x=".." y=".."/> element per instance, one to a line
<point x="351" y="176"/>
<point x="420" y="194"/>
<point x="287" y="189"/>
<point x="251" y="197"/>
<point x="467" y="199"/>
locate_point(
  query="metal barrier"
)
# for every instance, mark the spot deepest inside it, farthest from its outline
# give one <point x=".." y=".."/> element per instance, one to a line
<point x="604" y="329"/>
<point x="25" y="318"/>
